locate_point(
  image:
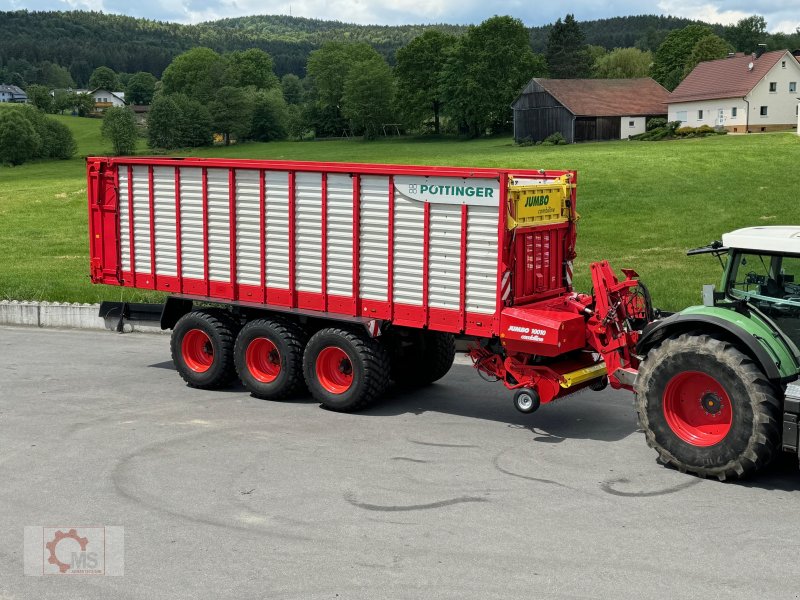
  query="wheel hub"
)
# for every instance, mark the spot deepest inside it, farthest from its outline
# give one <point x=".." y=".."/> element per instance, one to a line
<point x="711" y="403"/>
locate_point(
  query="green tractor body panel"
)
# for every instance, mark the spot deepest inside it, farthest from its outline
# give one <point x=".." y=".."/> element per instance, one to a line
<point x="760" y="330"/>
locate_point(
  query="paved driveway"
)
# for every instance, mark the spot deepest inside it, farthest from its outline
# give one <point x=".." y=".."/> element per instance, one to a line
<point x="443" y="493"/>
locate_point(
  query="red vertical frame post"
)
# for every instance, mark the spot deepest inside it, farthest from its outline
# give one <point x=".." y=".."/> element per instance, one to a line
<point x="152" y="203"/>
<point x="356" y="240"/>
<point x="232" y="229"/>
<point x="503" y="251"/>
<point x="178" y="246"/>
<point x="462" y="292"/>
<point x="292" y="238"/>
<point x="130" y="226"/>
<point x="324" y="241"/>
<point x="426" y="260"/>
<point x="262" y="228"/>
<point x="390" y="251"/>
<point x="206" y="269"/>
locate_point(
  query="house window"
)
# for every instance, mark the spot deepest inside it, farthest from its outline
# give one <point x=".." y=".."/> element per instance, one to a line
<point x="699" y="115"/>
<point x="792" y="86"/>
<point x="681" y="116"/>
<point x="783" y="64"/>
<point x="764" y="111"/>
<point x="734" y="111"/>
<point x="631" y="123"/>
<point x="773" y="86"/>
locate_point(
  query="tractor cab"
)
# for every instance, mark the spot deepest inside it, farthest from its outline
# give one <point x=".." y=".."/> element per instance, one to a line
<point x="763" y="270"/>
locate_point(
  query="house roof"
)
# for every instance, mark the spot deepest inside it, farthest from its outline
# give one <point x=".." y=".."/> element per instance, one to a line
<point x="119" y="95"/>
<point x="13" y="89"/>
<point x="608" y="97"/>
<point x="729" y="77"/>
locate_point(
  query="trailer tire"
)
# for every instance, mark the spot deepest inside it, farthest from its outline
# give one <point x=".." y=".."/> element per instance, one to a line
<point x="423" y="360"/>
<point x="202" y="348"/>
<point x="268" y="355"/>
<point x="706" y="408"/>
<point x="345" y="370"/>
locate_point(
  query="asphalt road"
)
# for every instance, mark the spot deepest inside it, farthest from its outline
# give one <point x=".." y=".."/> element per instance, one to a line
<point x="444" y="493"/>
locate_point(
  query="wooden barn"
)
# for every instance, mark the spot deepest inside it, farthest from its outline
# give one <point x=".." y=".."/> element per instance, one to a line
<point x="585" y="110"/>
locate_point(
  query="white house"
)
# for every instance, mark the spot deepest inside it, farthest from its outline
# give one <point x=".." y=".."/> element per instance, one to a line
<point x="11" y="93"/>
<point x="742" y="93"/>
<point x="104" y="98"/>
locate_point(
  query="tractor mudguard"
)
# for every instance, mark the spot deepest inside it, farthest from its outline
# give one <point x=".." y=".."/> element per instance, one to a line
<point x="775" y="360"/>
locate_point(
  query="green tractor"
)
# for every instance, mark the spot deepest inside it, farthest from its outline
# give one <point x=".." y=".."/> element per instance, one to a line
<point x="715" y="393"/>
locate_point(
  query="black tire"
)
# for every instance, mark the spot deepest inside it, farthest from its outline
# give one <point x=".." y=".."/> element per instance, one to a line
<point x="283" y="378"/>
<point x="728" y="377"/>
<point x="364" y="362"/>
<point x="220" y="328"/>
<point x="421" y="357"/>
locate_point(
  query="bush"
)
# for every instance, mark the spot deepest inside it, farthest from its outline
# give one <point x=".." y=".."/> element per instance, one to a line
<point x="19" y="140"/>
<point x="119" y="127"/>
<point x="57" y="140"/>
<point x="655" y="123"/>
<point x="554" y="139"/>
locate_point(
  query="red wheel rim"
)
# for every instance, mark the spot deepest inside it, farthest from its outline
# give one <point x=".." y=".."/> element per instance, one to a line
<point x="263" y="360"/>
<point x="334" y="370"/>
<point x="197" y="350"/>
<point x="697" y="408"/>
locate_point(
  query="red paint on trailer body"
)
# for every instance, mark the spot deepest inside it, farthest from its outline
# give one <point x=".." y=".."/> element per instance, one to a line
<point x="551" y="246"/>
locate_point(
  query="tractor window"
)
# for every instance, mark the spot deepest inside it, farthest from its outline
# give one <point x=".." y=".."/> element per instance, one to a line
<point x="772" y="285"/>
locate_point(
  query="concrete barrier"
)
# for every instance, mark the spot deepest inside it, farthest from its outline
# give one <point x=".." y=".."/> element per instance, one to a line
<point x="63" y="315"/>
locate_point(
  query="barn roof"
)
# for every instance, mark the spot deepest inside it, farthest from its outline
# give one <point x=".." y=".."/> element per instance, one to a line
<point x="606" y="97"/>
<point x="730" y="77"/>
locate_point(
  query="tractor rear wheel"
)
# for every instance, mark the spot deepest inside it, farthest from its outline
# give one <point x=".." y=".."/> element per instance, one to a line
<point x="706" y="408"/>
<point x="269" y="358"/>
<point x="345" y="370"/>
<point x="420" y="357"/>
<point x="202" y="348"/>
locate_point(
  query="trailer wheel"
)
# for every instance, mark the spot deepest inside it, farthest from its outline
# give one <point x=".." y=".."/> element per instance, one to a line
<point x="202" y="348"/>
<point x="422" y="357"/>
<point x="345" y="370"/>
<point x="268" y="355"/>
<point x="706" y="408"/>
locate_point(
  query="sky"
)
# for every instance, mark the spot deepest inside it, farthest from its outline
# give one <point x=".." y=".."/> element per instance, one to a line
<point x="781" y="15"/>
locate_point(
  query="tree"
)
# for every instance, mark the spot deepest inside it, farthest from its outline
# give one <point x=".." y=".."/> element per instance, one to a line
<point x="710" y="47"/>
<point x="57" y="140"/>
<point x="623" y="63"/>
<point x="141" y="88"/>
<point x="178" y="121"/>
<point x="419" y="73"/>
<point x="329" y="67"/>
<point x="84" y="104"/>
<point x="566" y="54"/>
<point x="197" y="73"/>
<point x="488" y="67"/>
<point x="63" y="100"/>
<point x="251" y="67"/>
<point x="40" y="97"/>
<point x="292" y="88"/>
<point x="119" y="127"/>
<point x="747" y="34"/>
<point x="232" y="113"/>
<point x="18" y="138"/>
<point x="52" y="76"/>
<point x="368" y="96"/>
<point x="270" y="116"/>
<point x="104" y="77"/>
<point x="672" y="56"/>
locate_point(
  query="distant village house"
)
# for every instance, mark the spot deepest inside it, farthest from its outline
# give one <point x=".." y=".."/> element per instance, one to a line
<point x="587" y="109"/>
<point x="743" y="93"/>
<point x="12" y="93"/>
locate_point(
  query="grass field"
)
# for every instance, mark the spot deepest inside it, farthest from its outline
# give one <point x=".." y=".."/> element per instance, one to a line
<point x="642" y="204"/>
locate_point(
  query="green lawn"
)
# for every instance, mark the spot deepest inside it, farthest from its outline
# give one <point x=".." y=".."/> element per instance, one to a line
<point x="642" y="204"/>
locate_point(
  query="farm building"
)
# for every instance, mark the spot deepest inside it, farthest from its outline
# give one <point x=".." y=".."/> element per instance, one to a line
<point x="742" y="93"/>
<point x="587" y="109"/>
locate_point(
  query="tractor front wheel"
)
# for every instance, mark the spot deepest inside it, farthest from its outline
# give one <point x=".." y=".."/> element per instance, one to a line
<point x="706" y="408"/>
